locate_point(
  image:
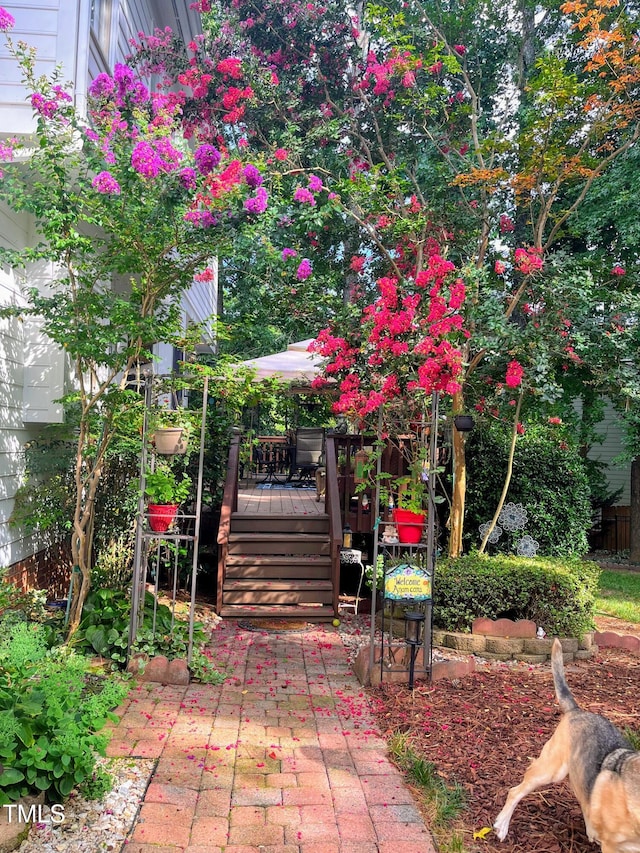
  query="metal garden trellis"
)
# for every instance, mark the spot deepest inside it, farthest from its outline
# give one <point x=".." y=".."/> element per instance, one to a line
<point x="430" y="562"/>
<point x="145" y="537"/>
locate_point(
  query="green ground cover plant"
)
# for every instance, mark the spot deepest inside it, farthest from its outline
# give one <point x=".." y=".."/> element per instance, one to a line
<point x="104" y="630"/>
<point x="619" y="595"/>
<point x="444" y="802"/>
<point x="559" y="594"/>
<point x="51" y="714"/>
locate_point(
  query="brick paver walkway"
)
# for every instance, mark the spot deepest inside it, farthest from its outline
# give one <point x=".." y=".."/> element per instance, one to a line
<point x="282" y="758"/>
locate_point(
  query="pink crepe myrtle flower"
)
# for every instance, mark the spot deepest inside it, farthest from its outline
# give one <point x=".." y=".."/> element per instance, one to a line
<point x="102" y="86"/>
<point x="515" y="372"/>
<point x="618" y="270"/>
<point x="7" y="21"/>
<point x="555" y="420"/>
<point x="188" y="178"/>
<point x="304" y="269"/>
<point x="499" y="268"/>
<point x="304" y="196"/>
<point x="207" y="274"/>
<point x="315" y="184"/>
<point x="357" y="263"/>
<point x="105" y="183"/>
<point x="6" y="151"/>
<point x="41" y="105"/>
<point x="506" y="224"/>
<point x="527" y="260"/>
<point x="289" y="253"/>
<point x="252" y="175"/>
<point x="460" y="49"/>
<point x="207" y="158"/>
<point x="257" y="203"/>
<point x="230" y="66"/>
<point x="145" y="160"/>
<point x="281" y="154"/>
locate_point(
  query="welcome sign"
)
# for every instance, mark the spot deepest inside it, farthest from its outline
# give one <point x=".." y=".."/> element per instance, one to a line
<point x="408" y="582"/>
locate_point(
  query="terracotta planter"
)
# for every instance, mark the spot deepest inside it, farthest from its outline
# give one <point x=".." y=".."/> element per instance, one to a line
<point x="161" y="516"/>
<point x="409" y="525"/>
<point x="169" y="440"/>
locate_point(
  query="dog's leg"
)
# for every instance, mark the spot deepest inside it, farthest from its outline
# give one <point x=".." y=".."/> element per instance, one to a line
<point x="550" y="766"/>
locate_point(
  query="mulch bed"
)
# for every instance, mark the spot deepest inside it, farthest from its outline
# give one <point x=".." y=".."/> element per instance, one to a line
<point x="483" y="730"/>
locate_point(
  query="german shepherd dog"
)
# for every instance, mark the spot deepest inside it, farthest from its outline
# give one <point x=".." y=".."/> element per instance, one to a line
<point x="603" y="769"/>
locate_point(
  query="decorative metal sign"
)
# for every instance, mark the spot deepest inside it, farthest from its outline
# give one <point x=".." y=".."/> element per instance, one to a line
<point x="408" y="582"/>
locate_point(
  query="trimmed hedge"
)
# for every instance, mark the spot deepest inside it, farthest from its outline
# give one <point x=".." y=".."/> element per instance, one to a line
<point x="556" y="593"/>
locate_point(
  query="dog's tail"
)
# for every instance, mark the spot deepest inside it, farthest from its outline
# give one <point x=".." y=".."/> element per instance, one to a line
<point x="563" y="694"/>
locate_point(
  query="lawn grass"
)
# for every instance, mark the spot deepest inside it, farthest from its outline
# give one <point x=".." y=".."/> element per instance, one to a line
<point x="619" y="595"/>
<point x="443" y="802"/>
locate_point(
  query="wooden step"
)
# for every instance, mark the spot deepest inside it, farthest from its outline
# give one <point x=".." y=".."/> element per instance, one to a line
<point x="279" y="543"/>
<point x="240" y="584"/>
<point x="265" y="595"/>
<point x="265" y="566"/>
<point x="310" y="613"/>
<point x="278" y="523"/>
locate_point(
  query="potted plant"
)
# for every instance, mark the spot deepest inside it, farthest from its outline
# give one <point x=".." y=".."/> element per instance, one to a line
<point x="409" y="514"/>
<point x="164" y="493"/>
<point x="170" y="431"/>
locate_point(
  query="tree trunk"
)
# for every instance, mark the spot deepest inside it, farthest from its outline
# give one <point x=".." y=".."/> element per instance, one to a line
<point x="456" y="518"/>
<point x="507" y="479"/>
<point x="634" y="521"/>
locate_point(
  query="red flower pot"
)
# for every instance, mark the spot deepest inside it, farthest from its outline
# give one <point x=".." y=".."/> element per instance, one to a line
<point x="410" y="525"/>
<point x="161" y="516"/>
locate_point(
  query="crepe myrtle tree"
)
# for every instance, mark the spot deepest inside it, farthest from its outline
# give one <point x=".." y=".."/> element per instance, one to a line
<point x="429" y="141"/>
<point x="131" y="195"/>
<point x="400" y="132"/>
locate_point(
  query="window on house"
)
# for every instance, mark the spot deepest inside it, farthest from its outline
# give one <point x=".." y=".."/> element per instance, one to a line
<point x="101" y="23"/>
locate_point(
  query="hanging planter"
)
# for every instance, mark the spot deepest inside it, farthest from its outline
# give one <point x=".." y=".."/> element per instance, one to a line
<point x="170" y="440"/>
<point x="409" y="524"/>
<point x="463" y="423"/>
<point x="161" y="516"/>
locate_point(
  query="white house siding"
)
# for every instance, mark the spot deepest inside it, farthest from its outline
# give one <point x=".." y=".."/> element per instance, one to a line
<point x="53" y="28"/>
<point x="14" y="431"/>
<point x="618" y="476"/>
<point x="200" y="305"/>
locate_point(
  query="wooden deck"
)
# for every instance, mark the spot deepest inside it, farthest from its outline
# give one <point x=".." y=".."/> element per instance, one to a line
<point x="252" y="500"/>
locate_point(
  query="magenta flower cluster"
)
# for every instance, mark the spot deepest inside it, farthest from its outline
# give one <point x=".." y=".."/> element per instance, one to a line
<point x="45" y="108"/>
<point x="129" y="90"/>
<point x="201" y="218"/>
<point x="304" y="196"/>
<point x="188" y="178"/>
<point x="252" y="175"/>
<point x="150" y="161"/>
<point x="304" y="270"/>
<point x="102" y="87"/>
<point x="207" y="158"/>
<point x="7" y="21"/>
<point x="257" y="203"/>
<point x="105" y="183"/>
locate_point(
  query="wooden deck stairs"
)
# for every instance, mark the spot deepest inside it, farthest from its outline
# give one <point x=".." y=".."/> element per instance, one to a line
<point x="278" y="565"/>
<point x="279" y="558"/>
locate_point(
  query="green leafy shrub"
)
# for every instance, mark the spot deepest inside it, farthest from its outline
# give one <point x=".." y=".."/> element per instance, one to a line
<point x="549" y="480"/>
<point x="50" y="718"/>
<point x="105" y="630"/>
<point x="558" y="594"/>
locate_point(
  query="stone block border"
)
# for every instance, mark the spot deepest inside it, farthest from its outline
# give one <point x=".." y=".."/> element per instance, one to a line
<point x="499" y="640"/>
<point x="506" y="648"/>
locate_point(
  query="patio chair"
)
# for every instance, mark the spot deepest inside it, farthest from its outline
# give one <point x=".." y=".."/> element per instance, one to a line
<point x="306" y="454"/>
